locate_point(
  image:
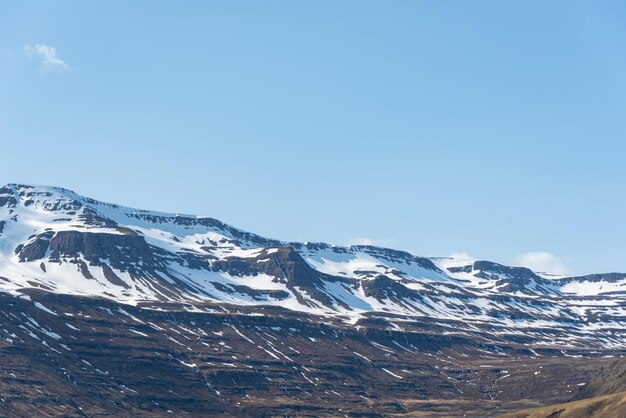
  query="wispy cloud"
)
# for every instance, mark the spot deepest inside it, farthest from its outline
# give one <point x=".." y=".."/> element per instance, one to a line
<point x="461" y="255"/>
<point x="50" y="59"/>
<point x="542" y="261"/>
<point x="384" y="242"/>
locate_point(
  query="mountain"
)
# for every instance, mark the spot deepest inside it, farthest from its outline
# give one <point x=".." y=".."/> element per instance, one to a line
<point x="56" y="240"/>
<point x="161" y="312"/>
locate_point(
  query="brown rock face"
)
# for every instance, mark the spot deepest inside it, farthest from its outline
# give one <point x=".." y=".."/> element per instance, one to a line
<point x="121" y="250"/>
<point x="287" y="266"/>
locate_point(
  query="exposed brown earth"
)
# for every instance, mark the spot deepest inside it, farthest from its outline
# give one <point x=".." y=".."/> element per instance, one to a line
<point x="607" y="406"/>
<point x="74" y="356"/>
<point x="603" y="397"/>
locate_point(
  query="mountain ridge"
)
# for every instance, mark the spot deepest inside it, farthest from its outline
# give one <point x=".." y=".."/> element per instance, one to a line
<point x="57" y="240"/>
<point x="210" y="221"/>
<point x="158" y="314"/>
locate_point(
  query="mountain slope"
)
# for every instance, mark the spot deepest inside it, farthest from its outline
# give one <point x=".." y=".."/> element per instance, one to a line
<point x="108" y="310"/>
<point x="606" y="406"/>
<point x="603" y="396"/>
<point x="56" y="240"/>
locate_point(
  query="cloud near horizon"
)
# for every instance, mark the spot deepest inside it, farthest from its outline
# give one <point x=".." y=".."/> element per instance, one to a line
<point x="384" y="242"/>
<point x="543" y="261"/>
<point x="50" y="59"/>
<point x="462" y="255"/>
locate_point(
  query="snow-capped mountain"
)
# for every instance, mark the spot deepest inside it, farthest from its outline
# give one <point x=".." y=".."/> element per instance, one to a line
<point x="58" y="241"/>
<point x="111" y="310"/>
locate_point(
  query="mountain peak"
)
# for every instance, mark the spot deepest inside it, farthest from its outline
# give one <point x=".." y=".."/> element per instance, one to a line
<point x="32" y="192"/>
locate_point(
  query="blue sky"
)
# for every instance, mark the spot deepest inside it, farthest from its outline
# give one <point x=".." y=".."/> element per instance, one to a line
<point x="486" y="127"/>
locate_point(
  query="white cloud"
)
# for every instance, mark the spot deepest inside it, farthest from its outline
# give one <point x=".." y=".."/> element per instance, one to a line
<point x="461" y="255"/>
<point x="385" y="242"/>
<point x="50" y="59"/>
<point x="542" y="261"/>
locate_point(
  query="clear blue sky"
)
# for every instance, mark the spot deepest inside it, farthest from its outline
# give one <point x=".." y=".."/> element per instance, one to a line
<point x="487" y="127"/>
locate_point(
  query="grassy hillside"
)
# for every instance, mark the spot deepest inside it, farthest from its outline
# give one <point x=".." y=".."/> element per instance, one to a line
<point x="606" y="406"/>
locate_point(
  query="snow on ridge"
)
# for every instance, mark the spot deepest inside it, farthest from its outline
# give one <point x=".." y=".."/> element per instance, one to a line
<point x="416" y="286"/>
